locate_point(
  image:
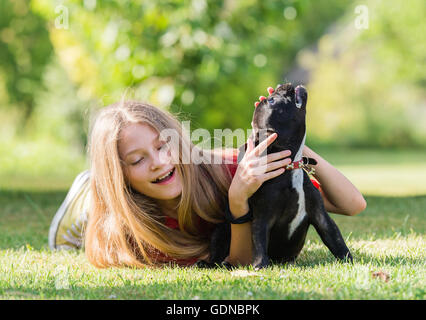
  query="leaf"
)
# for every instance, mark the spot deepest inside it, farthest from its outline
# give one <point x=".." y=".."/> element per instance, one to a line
<point x="380" y="275"/>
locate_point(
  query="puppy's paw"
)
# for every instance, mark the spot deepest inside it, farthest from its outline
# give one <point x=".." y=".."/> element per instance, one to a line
<point x="348" y="258"/>
<point x="345" y="258"/>
<point x="204" y="264"/>
<point x="261" y="264"/>
<point x="227" y="265"/>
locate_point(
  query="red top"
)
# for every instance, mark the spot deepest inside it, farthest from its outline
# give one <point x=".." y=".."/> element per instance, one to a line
<point x="173" y="223"/>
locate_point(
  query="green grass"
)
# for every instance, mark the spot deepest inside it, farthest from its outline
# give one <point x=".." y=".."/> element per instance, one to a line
<point x="389" y="236"/>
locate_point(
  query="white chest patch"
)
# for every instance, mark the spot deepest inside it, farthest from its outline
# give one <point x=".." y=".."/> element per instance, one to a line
<point x="297" y="182"/>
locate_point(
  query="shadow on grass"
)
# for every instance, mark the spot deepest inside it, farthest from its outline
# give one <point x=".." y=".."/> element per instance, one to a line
<point x="162" y="291"/>
<point x="26" y="216"/>
<point x="313" y="257"/>
<point x="207" y="286"/>
<point x="212" y="289"/>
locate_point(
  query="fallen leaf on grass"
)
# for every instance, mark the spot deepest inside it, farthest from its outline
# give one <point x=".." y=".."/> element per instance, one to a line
<point x="380" y="275"/>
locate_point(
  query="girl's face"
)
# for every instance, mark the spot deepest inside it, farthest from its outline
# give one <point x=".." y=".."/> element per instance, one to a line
<point x="147" y="159"/>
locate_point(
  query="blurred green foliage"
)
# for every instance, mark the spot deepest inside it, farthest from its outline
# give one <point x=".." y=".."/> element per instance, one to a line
<point x="209" y="61"/>
<point x="25" y="49"/>
<point x="367" y="86"/>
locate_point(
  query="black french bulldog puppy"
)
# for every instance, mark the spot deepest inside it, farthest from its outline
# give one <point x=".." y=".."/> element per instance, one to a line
<point x="283" y="207"/>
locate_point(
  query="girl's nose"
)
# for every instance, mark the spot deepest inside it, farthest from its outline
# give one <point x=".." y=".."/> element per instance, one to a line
<point x="160" y="158"/>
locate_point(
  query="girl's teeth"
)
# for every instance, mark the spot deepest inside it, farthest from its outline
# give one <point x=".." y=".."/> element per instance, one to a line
<point x="163" y="177"/>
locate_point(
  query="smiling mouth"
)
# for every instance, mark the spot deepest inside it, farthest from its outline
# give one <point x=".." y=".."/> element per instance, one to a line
<point x="166" y="177"/>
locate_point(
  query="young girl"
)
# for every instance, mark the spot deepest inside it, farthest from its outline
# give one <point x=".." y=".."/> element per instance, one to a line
<point x="141" y="205"/>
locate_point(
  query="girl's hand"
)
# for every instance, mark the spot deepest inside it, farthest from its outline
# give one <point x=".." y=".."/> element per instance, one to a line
<point x="254" y="169"/>
<point x="270" y="91"/>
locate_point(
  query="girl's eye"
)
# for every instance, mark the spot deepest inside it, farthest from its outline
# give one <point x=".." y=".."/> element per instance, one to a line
<point x="135" y="163"/>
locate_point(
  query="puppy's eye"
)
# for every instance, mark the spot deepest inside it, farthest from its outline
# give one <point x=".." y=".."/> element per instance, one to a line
<point x="271" y="100"/>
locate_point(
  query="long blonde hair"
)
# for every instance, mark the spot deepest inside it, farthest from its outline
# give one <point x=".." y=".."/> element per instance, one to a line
<point x="125" y="227"/>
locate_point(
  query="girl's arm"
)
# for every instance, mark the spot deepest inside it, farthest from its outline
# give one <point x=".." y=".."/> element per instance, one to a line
<point x="251" y="172"/>
<point x="240" y="251"/>
<point x="339" y="194"/>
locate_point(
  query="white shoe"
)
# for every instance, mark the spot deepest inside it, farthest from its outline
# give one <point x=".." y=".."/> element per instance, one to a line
<point x="67" y="227"/>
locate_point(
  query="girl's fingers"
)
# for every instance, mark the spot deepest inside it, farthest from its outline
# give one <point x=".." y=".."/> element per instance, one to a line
<point x="258" y="171"/>
<point x="272" y="174"/>
<point x="264" y="144"/>
<point x="270" y="158"/>
<point x="270" y="91"/>
<point x="278" y="164"/>
<point x="278" y="155"/>
<point x="250" y="145"/>
<point x="256" y="104"/>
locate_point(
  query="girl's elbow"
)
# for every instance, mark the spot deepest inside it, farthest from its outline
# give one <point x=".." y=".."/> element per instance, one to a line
<point x="360" y="206"/>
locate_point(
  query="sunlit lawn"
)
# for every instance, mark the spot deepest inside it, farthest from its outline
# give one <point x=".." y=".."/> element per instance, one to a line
<point x="388" y="237"/>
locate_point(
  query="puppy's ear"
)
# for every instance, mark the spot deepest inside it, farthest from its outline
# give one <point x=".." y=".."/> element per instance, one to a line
<point x="301" y="96"/>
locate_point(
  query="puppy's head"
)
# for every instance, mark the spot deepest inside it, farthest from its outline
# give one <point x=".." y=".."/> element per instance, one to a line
<point x="283" y="112"/>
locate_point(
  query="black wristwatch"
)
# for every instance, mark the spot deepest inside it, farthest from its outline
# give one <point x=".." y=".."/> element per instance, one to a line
<point x="243" y="219"/>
